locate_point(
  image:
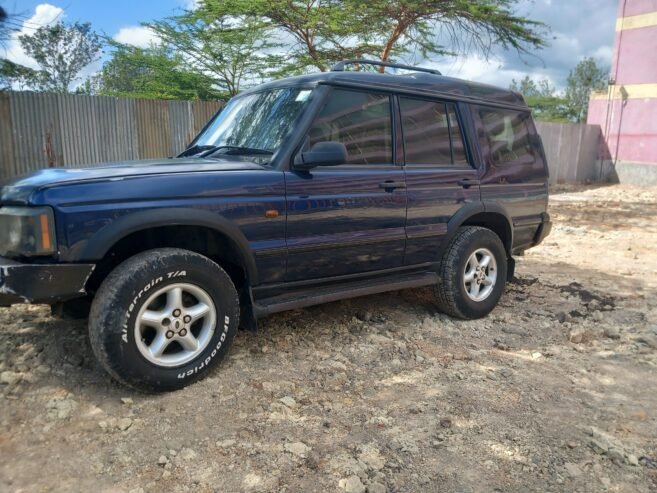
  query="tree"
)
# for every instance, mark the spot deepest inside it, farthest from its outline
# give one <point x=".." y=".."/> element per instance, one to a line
<point x="528" y="87"/>
<point x="542" y="98"/>
<point x="61" y="51"/>
<point x="232" y="50"/>
<point x="321" y="32"/>
<point x="153" y="73"/>
<point x="15" y="75"/>
<point x="582" y="80"/>
<point x="550" y="108"/>
<point x="449" y="26"/>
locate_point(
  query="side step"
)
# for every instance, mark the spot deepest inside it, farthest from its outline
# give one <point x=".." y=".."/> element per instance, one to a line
<point x="318" y="296"/>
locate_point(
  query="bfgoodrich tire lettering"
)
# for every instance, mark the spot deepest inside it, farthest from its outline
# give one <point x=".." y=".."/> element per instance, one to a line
<point x="454" y="294"/>
<point x="115" y="323"/>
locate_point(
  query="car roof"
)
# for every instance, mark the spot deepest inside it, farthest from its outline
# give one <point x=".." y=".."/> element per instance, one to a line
<point x="415" y="83"/>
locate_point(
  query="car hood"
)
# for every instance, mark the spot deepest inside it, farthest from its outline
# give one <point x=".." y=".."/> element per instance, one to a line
<point x="19" y="189"/>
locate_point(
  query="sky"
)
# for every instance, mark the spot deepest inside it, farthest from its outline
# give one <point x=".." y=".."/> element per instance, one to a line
<point x="578" y="29"/>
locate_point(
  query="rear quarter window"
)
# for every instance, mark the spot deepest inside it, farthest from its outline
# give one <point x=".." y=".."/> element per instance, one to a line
<point x="506" y="135"/>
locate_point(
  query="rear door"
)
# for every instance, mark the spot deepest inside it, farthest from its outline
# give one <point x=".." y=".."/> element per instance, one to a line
<point x="348" y="219"/>
<point x="439" y="177"/>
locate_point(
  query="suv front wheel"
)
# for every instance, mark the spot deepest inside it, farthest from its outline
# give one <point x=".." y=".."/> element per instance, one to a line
<point x="163" y="318"/>
<point x="472" y="273"/>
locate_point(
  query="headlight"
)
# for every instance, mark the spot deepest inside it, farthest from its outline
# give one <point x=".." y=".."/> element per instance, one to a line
<point x="27" y="231"/>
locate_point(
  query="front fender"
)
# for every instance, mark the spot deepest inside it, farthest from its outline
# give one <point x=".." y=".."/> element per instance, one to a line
<point x="103" y="240"/>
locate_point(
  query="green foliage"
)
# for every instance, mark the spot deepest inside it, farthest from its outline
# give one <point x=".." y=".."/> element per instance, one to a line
<point x="456" y="27"/>
<point x="198" y="56"/>
<point x="586" y="77"/>
<point x="542" y="98"/>
<point x="550" y="108"/>
<point x="321" y="32"/>
<point x="157" y="72"/>
<point x="61" y="51"/>
<point x="233" y="50"/>
<point x="530" y="88"/>
<point x="13" y="74"/>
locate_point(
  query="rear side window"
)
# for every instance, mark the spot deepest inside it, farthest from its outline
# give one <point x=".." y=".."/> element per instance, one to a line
<point x="361" y="121"/>
<point x="432" y="134"/>
<point x="507" y="136"/>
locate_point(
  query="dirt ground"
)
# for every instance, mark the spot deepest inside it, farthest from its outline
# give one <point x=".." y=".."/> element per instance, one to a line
<point x="555" y="391"/>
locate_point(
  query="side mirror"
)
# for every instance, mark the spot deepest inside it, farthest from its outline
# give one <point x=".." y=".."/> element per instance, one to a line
<point x="322" y="154"/>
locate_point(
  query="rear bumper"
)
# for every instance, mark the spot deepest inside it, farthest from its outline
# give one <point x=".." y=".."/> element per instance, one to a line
<point x="544" y="229"/>
<point x="41" y="283"/>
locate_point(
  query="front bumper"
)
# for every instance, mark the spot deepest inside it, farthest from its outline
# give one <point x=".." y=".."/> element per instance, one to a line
<point x="41" y="283"/>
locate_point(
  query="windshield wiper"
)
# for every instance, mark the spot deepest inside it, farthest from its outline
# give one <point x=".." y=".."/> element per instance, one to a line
<point x="196" y="149"/>
<point x="235" y="151"/>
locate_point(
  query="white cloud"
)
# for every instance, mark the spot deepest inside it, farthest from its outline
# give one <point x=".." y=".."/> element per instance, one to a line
<point x="44" y="14"/>
<point x="191" y="4"/>
<point x="492" y="71"/>
<point x="578" y="29"/>
<point x="604" y="55"/>
<point x="139" y="36"/>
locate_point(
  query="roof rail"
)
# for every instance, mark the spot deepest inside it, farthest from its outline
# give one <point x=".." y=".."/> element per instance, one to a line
<point x="339" y="67"/>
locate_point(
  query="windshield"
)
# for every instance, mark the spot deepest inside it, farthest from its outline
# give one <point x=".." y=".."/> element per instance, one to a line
<point x="255" y="124"/>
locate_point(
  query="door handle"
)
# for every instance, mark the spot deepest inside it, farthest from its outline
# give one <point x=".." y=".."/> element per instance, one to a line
<point x="467" y="183"/>
<point x="391" y="185"/>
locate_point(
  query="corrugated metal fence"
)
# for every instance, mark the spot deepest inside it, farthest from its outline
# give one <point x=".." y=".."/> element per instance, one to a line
<point x="573" y="152"/>
<point x="40" y="130"/>
<point x="52" y="130"/>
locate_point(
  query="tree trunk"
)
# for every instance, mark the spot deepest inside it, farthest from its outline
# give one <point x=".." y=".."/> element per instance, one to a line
<point x="390" y="44"/>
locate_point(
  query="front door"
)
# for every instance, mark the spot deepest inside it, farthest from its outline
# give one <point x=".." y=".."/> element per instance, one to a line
<point x="348" y="219"/>
<point x="439" y="177"/>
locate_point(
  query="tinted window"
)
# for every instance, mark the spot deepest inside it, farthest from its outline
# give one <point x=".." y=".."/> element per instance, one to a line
<point x="507" y="136"/>
<point x="431" y="133"/>
<point x="361" y="122"/>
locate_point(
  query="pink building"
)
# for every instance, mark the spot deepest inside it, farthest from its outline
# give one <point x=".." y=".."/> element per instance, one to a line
<point x="627" y="112"/>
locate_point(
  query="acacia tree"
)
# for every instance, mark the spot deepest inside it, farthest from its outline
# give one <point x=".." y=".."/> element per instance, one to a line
<point x="61" y="51"/>
<point x="314" y="33"/>
<point x="321" y="32"/>
<point x="586" y="77"/>
<point x="232" y="50"/>
<point x="152" y="73"/>
<point x="450" y="26"/>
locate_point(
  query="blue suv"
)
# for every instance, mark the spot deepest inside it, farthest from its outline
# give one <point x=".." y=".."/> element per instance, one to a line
<point x="300" y="191"/>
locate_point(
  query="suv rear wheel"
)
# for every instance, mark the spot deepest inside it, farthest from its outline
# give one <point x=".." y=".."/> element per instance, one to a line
<point x="163" y="318"/>
<point x="472" y="273"/>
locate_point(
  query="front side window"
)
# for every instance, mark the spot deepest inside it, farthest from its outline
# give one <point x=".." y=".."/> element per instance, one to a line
<point x="256" y="122"/>
<point x="507" y="136"/>
<point x="432" y="135"/>
<point x="360" y="121"/>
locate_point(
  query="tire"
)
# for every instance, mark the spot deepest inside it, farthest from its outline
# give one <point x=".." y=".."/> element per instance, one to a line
<point x="163" y="299"/>
<point x="464" y="300"/>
